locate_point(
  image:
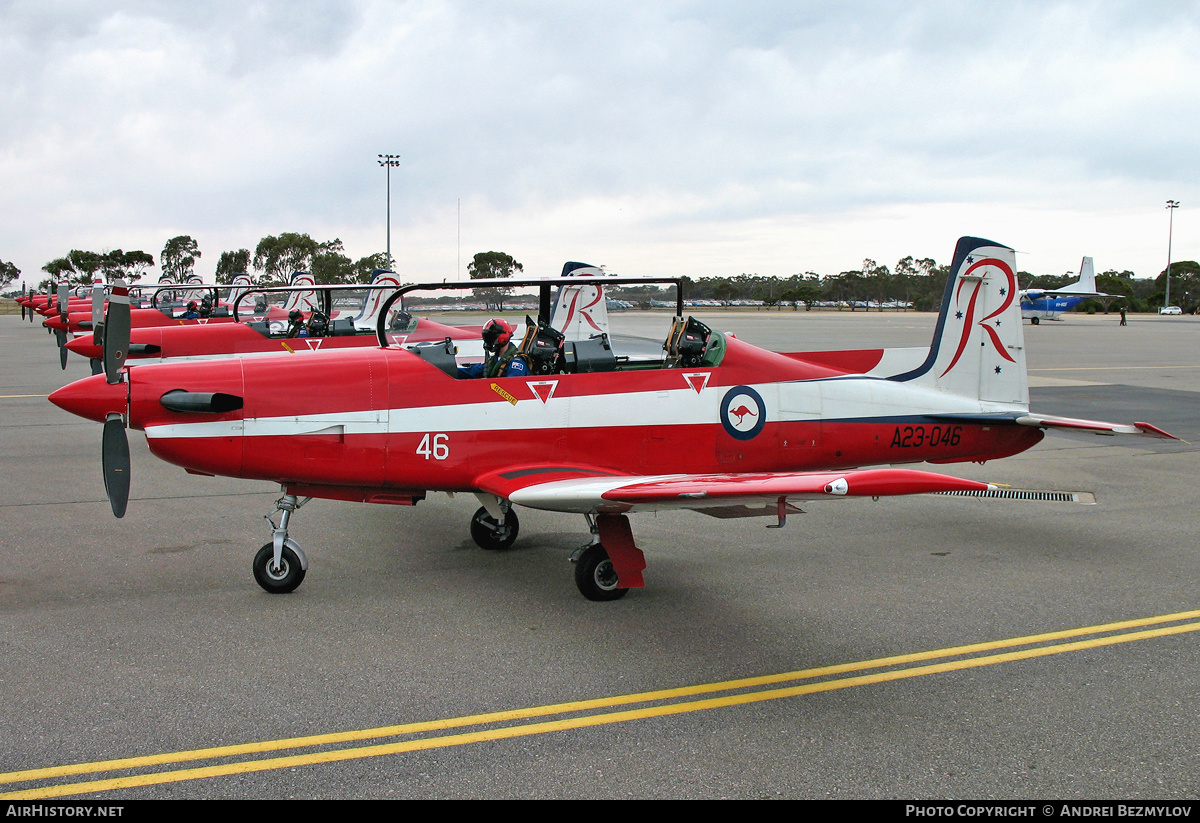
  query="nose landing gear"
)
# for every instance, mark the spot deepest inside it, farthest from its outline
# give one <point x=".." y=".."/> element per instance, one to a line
<point x="280" y="566"/>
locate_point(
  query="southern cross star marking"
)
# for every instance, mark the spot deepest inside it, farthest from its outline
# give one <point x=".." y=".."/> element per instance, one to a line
<point x="1003" y="292"/>
<point x="958" y="315"/>
<point x="970" y="259"/>
<point x="997" y="370"/>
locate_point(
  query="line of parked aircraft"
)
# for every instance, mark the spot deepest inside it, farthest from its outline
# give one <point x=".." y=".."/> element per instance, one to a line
<point x="373" y="406"/>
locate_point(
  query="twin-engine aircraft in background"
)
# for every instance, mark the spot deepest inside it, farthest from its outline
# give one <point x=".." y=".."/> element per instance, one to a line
<point x="1050" y="304"/>
<point x="599" y="427"/>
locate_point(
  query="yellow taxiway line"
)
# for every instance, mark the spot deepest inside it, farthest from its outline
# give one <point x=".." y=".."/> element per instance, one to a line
<point x="747" y="690"/>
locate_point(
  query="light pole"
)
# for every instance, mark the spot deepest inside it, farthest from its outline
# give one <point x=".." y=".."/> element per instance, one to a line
<point x="388" y="161"/>
<point x="1171" y="206"/>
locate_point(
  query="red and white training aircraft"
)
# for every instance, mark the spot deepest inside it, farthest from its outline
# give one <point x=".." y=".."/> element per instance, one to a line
<point x="255" y="335"/>
<point x="169" y="312"/>
<point x="711" y="423"/>
<point x="582" y="314"/>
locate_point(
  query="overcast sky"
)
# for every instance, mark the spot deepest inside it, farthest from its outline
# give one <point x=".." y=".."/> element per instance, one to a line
<point x="668" y="138"/>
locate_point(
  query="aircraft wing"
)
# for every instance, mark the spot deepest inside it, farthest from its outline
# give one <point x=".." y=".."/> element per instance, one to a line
<point x="585" y="490"/>
<point x="1033" y="294"/>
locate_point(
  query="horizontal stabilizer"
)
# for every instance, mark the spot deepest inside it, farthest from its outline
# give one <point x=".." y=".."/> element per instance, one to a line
<point x="1093" y="426"/>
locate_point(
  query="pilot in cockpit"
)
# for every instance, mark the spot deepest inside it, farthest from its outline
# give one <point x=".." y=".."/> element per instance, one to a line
<point x="296" y="326"/>
<point x="500" y="358"/>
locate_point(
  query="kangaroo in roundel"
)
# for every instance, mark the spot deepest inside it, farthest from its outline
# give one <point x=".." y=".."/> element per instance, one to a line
<point x="740" y="412"/>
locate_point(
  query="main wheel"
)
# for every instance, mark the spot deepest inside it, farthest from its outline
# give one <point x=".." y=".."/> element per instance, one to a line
<point x="595" y="575"/>
<point x="489" y="533"/>
<point x="277" y="579"/>
<point x="1033" y="321"/>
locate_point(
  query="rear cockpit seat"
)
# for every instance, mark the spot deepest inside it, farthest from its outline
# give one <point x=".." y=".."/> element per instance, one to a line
<point x="691" y="344"/>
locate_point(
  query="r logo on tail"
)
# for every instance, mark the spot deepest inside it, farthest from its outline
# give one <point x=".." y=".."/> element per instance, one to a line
<point x="978" y="348"/>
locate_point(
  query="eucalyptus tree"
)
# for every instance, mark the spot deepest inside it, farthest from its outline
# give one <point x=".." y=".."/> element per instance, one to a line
<point x="232" y="263"/>
<point x="493" y="264"/>
<point x="278" y="256"/>
<point x="179" y="257"/>
<point x="130" y="266"/>
<point x="8" y="273"/>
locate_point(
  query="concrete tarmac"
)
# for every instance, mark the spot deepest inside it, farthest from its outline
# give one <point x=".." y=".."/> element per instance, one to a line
<point x="147" y="637"/>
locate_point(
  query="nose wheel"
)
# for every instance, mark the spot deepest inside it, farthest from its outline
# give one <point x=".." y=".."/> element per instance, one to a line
<point x="278" y="577"/>
<point x="280" y="566"/>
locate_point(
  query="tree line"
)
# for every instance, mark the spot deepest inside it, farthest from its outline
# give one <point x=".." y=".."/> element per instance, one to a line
<point x="920" y="284"/>
<point x="913" y="282"/>
<point x="274" y="260"/>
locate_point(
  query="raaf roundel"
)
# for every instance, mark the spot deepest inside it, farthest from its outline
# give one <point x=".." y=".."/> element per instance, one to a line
<point x="711" y="423"/>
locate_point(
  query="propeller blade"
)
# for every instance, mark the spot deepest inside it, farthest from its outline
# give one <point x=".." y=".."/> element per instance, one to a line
<point x="64" y="299"/>
<point x="97" y="312"/>
<point x="97" y="366"/>
<point x="114" y="457"/>
<point x="116" y="331"/>
<point x="60" y="337"/>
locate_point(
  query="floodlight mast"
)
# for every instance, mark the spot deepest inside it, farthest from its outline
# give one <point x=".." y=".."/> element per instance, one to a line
<point x="1171" y="206"/>
<point x="388" y="161"/>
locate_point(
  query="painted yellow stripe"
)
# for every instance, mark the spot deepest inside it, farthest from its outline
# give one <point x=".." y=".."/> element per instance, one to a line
<point x="579" y="722"/>
<point x="576" y="706"/>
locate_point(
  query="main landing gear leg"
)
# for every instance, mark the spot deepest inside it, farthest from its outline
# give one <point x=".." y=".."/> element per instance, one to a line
<point x="280" y="565"/>
<point x="610" y="565"/>
<point x="495" y="525"/>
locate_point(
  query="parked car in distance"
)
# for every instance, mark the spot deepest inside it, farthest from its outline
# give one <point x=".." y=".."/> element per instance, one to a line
<point x="1170" y="310"/>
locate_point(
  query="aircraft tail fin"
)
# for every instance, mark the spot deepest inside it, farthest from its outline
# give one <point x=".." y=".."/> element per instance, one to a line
<point x="237" y="287"/>
<point x="1086" y="284"/>
<point x="1087" y="275"/>
<point x="303" y="300"/>
<point x="580" y="310"/>
<point x="978" y="348"/>
<point x="194" y="294"/>
<point x="369" y="316"/>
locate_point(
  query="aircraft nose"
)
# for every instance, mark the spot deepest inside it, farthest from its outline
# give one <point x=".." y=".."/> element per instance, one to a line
<point x="85" y="346"/>
<point x="55" y="322"/>
<point x="92" y="397"/>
